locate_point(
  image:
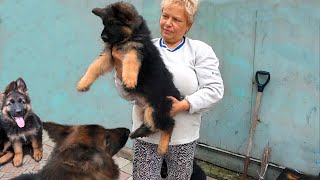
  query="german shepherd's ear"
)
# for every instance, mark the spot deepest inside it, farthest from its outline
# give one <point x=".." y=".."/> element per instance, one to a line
<point x="138" y="21"/>
<point x="56" y="131"/>
<point x="128" y="13"/>
<point x="1" y="99"/>
<point x="116" y="139"/>
<point x="11" y="87"/>
<point x="21" y="86"/>
<point x="98" y="12"/>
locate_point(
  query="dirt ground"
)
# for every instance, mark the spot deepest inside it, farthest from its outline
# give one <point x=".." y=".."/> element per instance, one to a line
<point x="220" y="173"/>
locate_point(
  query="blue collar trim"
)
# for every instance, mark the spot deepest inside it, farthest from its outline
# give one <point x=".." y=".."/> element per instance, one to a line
<point x="172" y="50"/>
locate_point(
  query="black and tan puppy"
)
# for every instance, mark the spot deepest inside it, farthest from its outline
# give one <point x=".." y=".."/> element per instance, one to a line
<point x="19" y="123"/>
<point x="290" y="174"/>
<point x="81" y="152"/>
<point x="144" y="73"/>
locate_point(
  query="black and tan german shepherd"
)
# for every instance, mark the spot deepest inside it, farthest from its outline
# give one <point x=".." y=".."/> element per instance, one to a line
<point x="290" y="174"/>
<point x="20" y="127"/>
<point x="82" y="152"/>
<point x="144" y="73"/>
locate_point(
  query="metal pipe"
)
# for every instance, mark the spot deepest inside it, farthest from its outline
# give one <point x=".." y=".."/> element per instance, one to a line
<point x="237" y="155"/>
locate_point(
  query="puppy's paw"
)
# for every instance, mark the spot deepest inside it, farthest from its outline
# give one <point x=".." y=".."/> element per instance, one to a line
<point x="129" y="82"/>
<point x="83" y="85"/>
<point x="17" y="161"/>
<point x="37" y="154"/>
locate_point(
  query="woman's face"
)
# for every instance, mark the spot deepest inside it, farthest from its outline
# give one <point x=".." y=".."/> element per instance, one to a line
<point x="173" y="24"/>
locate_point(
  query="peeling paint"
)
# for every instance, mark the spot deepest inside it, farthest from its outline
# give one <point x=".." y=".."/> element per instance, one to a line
<point x="312" y="112"/>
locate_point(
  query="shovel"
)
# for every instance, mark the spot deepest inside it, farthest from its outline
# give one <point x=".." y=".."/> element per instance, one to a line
<point x="255" y="117"/>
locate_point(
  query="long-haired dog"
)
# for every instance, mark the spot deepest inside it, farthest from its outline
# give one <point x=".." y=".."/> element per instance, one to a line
<point x="144" y="73"/>
<point x="20" y="126"/>
<point x="81" y="152"/>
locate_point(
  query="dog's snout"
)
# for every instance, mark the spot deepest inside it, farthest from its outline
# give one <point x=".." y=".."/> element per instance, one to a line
<point x="104" y="37"/>
<point x="18" y="111"/>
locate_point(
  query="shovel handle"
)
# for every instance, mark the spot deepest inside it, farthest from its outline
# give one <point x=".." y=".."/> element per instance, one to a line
<point x="245" y="168"/>
<point x="262" y="85"/>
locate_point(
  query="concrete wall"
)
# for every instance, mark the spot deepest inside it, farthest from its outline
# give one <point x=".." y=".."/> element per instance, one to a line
<point x="51" y="43"/>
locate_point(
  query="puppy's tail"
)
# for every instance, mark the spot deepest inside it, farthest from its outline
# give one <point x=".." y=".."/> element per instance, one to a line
<point x="142" y="131"/>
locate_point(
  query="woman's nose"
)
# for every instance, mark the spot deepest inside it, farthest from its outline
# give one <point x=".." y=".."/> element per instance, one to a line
<point x="169" y="22"/>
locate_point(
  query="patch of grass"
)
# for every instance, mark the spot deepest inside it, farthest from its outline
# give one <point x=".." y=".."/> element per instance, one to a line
<point x="219" y="172"/>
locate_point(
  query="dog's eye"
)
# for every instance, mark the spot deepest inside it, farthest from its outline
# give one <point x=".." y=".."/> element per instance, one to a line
<point x="11" y="101"/>
<point x="22" y="101"/>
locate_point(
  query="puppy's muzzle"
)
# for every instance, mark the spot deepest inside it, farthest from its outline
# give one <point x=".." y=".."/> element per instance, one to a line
<point x="104" y="37"/>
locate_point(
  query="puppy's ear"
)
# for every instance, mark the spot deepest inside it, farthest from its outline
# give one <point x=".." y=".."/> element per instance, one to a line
<point x="56" y="132"/>
<point x="21" y="86"/>
<point x="138" y="21"/>
<point x="98" y="12"/>
<point x="1" y="99"/>
<point x="116" y="139"/>
<point x="127" y="10"/>
<point x="11" y="87"/>
<point x="129" y="14"/>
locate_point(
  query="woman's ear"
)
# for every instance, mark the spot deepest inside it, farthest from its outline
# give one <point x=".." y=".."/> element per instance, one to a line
<point x="188" y="29"/>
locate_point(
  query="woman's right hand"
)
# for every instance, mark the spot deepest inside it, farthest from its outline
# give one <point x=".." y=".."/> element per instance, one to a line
<point x="117" y="56"/>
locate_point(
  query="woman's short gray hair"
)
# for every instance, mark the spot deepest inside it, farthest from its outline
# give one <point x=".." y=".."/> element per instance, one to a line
<point x="191" y="7"/>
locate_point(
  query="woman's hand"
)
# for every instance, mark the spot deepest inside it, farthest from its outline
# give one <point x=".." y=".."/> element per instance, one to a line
<point x="117" y="55"/>
<point x="178" y="106"/>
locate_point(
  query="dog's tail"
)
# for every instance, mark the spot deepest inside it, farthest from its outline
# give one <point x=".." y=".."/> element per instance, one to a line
<point x="142" y="131"/>
<point x="6" y="157"/>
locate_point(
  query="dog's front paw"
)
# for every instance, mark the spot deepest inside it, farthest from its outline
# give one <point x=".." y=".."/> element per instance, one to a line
<point x="130" y="83"/>
<point x="37" y="154"/>
<point x="83" y="85"/>
<point x="17" y="161"/>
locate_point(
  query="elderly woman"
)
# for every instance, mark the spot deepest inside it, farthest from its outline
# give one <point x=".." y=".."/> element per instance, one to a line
<point x="194" y="66"/>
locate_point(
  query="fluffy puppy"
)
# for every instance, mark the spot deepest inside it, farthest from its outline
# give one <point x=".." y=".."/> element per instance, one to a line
<point x="20" y="126"/>
<point x="144" y="73"/>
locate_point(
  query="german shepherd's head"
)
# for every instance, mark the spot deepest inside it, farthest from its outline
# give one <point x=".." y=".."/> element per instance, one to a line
<point x="83" y="151"/>
<point x="15" y="102"/>
<point x="120" y="19"/>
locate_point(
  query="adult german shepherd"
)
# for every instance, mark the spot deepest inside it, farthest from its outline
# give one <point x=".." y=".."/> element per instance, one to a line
<point x="19" y="125"/>
<point x="144" y="73"/>
<point x="82" y="152"/>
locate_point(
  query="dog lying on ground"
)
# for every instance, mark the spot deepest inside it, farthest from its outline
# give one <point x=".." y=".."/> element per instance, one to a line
<point x="82" y="152"/>
<point x="144" y="73"/>
<point x="20" y="126"/>
<point x="289" y="174"/>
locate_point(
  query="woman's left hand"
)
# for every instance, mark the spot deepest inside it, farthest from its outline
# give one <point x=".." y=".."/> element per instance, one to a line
<point x="178" y="106"/>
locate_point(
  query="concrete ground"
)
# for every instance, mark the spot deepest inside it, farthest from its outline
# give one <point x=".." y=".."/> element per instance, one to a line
<point x="8" y="171"/>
